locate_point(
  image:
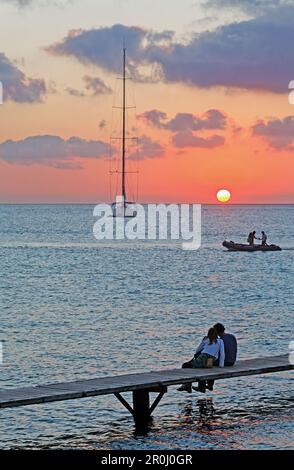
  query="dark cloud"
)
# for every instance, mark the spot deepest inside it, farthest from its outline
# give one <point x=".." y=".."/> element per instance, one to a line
<point x="154" y="117"/>
<point x="53" y="151"/>
<point x="186" y="138"/>
<point x="102" y="46"/>
<point x="75" y="92"/>
<point x="212" y="119"/>
<point x="16" y="86"/>
<point x="279" y="133"/>
<point x="184" y="126"/>
<point x="92" y="84"/>
<point x="147" y="148"/>
<point x="253" y="54"/>
<point x="96" y="85"/>
<point x="255" y="7"/>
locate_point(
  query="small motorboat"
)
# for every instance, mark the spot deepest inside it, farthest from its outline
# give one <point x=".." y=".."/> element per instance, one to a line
<point x="232" y="246"/>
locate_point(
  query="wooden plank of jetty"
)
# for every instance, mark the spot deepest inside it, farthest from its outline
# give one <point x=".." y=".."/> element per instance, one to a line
<point x="140" y="384"/>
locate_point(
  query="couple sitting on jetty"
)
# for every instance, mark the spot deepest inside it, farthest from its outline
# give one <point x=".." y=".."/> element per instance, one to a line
<point x="216" y="349"/>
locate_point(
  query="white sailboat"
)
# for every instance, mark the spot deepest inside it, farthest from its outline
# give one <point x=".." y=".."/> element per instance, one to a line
<point x="121" y="206"/>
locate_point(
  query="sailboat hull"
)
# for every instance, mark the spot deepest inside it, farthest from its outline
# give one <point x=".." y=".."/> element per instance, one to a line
<point x="122" y="208"/>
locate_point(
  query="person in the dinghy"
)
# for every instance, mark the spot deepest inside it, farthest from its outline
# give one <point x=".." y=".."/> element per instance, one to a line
<point x="263" y="238"/>
<point x="251" y="237"/>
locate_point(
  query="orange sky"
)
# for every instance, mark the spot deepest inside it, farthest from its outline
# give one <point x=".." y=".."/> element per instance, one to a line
<point x="247" y="165"/>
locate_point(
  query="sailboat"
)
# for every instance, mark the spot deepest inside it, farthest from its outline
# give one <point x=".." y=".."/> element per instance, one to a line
<point x="120" y="207"/>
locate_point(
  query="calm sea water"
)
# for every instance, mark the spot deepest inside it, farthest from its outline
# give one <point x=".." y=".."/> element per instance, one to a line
<point x="72" y="308"/>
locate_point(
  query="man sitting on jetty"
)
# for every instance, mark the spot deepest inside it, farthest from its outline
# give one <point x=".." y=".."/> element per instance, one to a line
<point x="210" y="352"/>
<point x="231" y="347"/>
<point x="230" y="354"/>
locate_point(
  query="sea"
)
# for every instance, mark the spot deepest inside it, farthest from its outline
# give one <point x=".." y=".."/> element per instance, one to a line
<point x="73" y="307"/>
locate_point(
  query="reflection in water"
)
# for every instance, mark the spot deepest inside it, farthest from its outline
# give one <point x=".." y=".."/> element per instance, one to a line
<point x="201" y="414"/>
<point x="144" y="428"/>
<point x="206" y="408"/>
<point x="72" y="311"/>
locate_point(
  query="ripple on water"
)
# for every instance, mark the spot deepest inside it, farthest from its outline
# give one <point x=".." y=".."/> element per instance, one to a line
<point x="71" y="309"/>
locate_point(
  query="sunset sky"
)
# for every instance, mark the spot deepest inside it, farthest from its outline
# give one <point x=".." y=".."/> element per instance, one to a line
<point x="211" y="86"/>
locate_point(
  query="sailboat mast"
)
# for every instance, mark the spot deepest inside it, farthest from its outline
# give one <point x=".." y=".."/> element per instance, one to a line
<point x="124" y="127"/>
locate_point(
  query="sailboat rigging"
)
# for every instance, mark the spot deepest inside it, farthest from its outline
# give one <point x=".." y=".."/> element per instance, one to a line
<point x="120" y="206"/>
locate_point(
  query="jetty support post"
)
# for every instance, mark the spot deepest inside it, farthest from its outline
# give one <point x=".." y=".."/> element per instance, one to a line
<point x="141" y="404"/>
<point x="141" y="407"/>
<point x="141" y="410"/>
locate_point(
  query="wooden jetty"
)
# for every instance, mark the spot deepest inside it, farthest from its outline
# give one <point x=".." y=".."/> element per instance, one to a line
<point x="141" y="385"/>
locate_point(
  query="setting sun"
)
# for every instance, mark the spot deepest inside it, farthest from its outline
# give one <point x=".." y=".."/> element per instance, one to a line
<point x="223" y="195"/>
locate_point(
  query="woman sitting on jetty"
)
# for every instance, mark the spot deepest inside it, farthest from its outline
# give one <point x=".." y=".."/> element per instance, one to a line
<point x="211" y="351"/>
